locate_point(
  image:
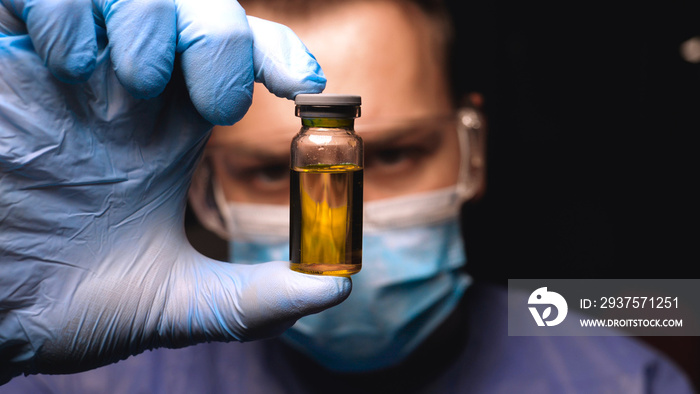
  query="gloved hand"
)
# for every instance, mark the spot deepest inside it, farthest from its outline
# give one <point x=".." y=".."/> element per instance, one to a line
<point x="94" y="263"/>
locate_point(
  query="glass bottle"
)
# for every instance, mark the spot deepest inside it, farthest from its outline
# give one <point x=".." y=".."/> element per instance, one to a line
<point x="326" y="186"/>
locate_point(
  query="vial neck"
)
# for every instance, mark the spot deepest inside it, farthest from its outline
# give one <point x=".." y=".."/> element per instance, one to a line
<point x="341" y="123"/>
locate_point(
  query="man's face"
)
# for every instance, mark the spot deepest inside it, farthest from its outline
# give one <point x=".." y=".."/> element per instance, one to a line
<point x="386" y="54"/>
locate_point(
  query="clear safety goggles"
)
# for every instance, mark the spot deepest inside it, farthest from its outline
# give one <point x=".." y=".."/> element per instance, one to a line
<point x="417" y="171"/>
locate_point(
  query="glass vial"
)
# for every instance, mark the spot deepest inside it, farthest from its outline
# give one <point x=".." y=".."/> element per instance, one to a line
<point x="327" y="158"/>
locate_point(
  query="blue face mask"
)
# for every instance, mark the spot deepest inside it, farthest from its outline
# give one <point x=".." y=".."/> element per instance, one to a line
<point x="412" y="278"/>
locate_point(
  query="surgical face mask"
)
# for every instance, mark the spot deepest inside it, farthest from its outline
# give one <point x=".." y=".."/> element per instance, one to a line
<point x="411" y="280"/>
<point x="412" y="276"/>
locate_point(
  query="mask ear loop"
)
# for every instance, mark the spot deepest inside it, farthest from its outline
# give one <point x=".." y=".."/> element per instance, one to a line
<point x="207" y="200"/>
<point x="471" y="139"/>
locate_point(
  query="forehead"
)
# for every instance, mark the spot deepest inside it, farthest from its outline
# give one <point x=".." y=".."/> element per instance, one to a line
<point x="384" y="51"/>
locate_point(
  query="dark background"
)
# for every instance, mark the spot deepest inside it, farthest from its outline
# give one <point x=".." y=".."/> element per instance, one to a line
<point x="592" y="163"/>
<point x="592" y="116"/>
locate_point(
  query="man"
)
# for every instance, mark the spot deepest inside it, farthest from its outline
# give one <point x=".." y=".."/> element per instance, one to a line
<point x="415" y="321"/>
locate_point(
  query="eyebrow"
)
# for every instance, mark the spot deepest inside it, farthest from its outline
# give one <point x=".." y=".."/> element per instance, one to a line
<point x="386" y="135"/>
<point x="262" y="153"/>
<point x="408" y="132"/>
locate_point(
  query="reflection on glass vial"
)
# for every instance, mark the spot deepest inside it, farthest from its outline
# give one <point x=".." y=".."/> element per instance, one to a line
<point x="326" y="219"/>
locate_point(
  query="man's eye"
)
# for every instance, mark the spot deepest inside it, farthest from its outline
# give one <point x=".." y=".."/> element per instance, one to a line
<point x="391" y="156"/>
<point x="269" y="174"/>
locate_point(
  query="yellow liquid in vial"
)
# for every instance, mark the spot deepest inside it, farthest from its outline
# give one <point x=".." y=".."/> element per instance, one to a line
<point x="326" y="219"/>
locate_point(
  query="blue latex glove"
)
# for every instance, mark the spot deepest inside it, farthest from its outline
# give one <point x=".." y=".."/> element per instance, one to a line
<point x="94" y="263"/>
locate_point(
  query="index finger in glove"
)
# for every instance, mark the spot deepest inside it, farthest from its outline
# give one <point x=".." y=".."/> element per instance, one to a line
<point x="282" y="62"/>
<point x="224" y="52"/>
<point x="62" y="32"/>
